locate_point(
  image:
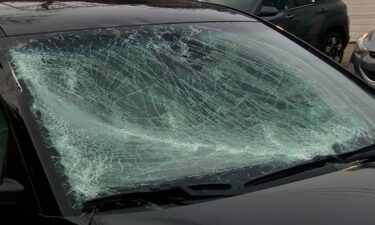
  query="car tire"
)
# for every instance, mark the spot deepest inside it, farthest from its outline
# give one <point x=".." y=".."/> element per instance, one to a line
<point x="334" y="46"/>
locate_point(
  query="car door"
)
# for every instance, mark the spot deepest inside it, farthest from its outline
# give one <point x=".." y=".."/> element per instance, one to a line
<point x="306" y="17"/>
<point x="299" y="17"/>
<point x="282" y="17"/>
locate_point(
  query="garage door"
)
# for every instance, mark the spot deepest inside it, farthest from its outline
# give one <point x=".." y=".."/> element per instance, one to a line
<point x="362" y="16"/>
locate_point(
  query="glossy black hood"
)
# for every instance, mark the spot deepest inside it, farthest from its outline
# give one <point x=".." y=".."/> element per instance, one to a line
<point x="25" y="18"/>
<point x="345" y="197"/>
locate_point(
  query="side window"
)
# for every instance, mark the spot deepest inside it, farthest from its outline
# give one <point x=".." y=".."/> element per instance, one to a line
<point x="299" y="3"/>
<point x="279" y="4"/>
<point x="3" y="141"/>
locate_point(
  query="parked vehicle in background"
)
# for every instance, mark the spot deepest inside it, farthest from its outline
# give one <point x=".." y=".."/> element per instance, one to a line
<point x="322" y="23"/>
<point x="362" y="62"/>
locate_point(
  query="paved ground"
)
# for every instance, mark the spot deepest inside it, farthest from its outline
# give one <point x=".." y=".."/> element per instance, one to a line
<point x="348" y="52"/>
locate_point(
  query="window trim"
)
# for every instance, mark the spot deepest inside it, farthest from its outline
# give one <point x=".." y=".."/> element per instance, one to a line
<point x="293" y="6"/>
<point x="283" y="10"/>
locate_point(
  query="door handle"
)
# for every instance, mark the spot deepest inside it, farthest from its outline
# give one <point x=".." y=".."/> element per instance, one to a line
<point x="323" y="10"/>
<point x="289" y="16"/>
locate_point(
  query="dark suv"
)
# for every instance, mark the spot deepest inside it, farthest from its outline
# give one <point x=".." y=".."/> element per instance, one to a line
<point x="322" y="23"/>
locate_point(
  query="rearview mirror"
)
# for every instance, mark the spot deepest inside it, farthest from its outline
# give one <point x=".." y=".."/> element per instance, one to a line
<point x="268" y="11"/>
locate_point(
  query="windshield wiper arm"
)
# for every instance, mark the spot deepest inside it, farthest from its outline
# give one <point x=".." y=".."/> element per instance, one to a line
<point x="193" y="191"/>
<point x="317" y="162"/>
<point x="365" y="153"/>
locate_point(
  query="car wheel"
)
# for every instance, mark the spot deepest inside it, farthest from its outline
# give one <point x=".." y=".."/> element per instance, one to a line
<point x="334" y="46"/>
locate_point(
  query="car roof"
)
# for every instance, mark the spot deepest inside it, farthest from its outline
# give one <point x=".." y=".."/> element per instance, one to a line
<point x="23" y="18"/>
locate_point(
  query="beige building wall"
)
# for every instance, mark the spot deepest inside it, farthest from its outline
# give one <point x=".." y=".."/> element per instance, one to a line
<point x="362" y="17"/>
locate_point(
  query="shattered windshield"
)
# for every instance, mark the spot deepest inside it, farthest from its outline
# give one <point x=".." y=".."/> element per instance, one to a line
<point x="127" y="107"/>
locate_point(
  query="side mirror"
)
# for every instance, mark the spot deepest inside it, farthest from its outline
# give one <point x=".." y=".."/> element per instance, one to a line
<point x="11" y="194"/>
<point x="268" y="11"/>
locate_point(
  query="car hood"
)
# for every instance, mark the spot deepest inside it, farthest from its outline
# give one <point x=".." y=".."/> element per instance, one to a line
<point x="25" y="18"/>
<point x="343" y="197"/>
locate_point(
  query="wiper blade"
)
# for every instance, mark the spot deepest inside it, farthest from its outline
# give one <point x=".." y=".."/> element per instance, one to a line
<point x="317" y="162"/>
<point x="366" y="153"/>
<point x="193" y="191"/>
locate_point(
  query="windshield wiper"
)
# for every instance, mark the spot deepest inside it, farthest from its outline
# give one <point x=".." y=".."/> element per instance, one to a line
<point x="181" y="192"/>
<point x="215" y="190"/>
<point x="366" y="153"/>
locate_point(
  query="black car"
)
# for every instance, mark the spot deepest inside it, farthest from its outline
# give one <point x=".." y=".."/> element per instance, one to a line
<point x="173" y="112"/>
<point x="322" y="23"/>
<point x="362" y="62"/>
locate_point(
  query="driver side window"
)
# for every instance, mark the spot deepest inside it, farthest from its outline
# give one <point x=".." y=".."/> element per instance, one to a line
<point x="279" y="4"/>
<point x="3" y="140"/>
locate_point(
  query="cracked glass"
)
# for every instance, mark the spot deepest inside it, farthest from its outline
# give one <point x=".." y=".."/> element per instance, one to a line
<point x="124" y="108"/>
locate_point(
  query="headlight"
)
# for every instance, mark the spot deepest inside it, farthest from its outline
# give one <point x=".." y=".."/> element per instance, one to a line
<point x="361" y="47"/>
